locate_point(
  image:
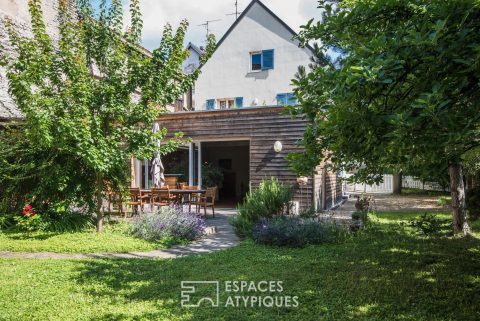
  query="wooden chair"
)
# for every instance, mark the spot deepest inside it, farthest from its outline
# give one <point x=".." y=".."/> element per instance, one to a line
<point x="206" y="200"/>
<point x="115" y="202"/>
<point x="171" y="182"/>
<point x="160" y="196"/>
<point x="137" y="200"/>
<point x="191" y="197"/>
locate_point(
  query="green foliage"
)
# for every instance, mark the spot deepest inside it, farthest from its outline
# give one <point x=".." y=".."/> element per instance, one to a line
<point x="211" y="175"/>
<point x="473" y="202"/>
<point x="296" y="231"/>
<point x="115" y="238"/>
<point x="360" y="216"/>
<point x="403" y="94"/>
<point x="430" y="225"/>
<point x="444" y="200"/>
<point x="29" y="223"/>
<point x="67" y="222"/>
<point x="271" y="198"/>
<point x="395" y="276"/>
<point x="309" y="213"/>
<point x="471" y="162"/>
<point x="89" y="100"/>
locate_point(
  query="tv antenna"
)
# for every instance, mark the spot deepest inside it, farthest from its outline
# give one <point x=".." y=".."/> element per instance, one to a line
<point x="207" y="23"/>
<point x="237" y="13"/>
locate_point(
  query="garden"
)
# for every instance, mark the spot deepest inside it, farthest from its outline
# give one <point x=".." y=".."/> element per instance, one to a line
<point x="387" y="272"/>
<point x="400" y="96"/>
<point x="76" y="233"/>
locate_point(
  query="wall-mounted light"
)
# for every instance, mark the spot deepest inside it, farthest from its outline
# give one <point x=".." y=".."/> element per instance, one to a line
<point x="277" y="147"/>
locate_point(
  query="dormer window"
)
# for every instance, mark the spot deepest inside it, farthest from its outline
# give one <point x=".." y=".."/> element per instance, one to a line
<point x="262" y="60"/>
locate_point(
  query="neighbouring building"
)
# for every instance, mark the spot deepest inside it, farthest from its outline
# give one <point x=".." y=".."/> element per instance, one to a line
<point x="239" y="115"/>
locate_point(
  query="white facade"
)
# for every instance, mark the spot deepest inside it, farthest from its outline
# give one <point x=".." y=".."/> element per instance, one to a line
<point x="193" y="61"/>
<point x="228" y="73"/>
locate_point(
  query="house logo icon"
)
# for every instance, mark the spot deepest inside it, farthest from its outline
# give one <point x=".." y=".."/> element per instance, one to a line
<point x="200" y="293"/>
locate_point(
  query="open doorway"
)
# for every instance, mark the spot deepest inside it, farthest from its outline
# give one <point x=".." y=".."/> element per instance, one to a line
<point x="232" y="159"/>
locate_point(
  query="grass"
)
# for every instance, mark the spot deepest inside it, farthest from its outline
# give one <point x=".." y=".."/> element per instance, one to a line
<point x="385" y="274"/>
<point x="422" y="192"/>
<point x="115" y="239"/>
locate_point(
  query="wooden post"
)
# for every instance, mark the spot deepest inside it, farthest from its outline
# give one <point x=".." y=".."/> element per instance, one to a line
<point x="190" y="163"/>
<point x="324" y="189"/>
<point x="133" y="173"/>
<point x="199" y="161"/>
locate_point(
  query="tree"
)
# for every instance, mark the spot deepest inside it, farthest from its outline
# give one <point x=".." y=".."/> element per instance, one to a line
<point x="403" y="94"/>
<point x="91" y="96"/>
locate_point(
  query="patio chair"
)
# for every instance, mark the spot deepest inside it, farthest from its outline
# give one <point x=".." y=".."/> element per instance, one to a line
<point x="115" y="203"/>
<point x="206" y="200"/>
<point x="160" y="197"/>
<point x="137" y="200"/>
<point x="192" y="197"/>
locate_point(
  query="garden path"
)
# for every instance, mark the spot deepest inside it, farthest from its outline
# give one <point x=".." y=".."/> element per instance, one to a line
<point x="221" y="237"/>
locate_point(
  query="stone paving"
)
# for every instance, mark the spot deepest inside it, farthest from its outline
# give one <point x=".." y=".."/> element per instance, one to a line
<point x="221" y="236"/>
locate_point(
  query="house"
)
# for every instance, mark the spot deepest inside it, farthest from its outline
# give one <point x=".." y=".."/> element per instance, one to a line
<point x="192" y="63"/>
<point x="239" y="123"/>
<point x="253" y="64"/>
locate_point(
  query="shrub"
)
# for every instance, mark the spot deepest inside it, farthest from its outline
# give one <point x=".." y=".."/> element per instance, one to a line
<point x="7" y="221"/>
<point x="168" y="222"/>
<point x="430" y="225"/>
<point x="269" y="199"/>
<point x="29" y="221"/>
<point x="360" y="216"/>
<point x="296" y="231"/>
<point x="68" y="222"/>
<point x="363" y="203"/>
<point x="310" y="212"/>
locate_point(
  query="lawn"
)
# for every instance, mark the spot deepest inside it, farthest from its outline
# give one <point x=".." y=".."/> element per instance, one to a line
<point x="385" y="274"/>
<point x="115" y="239"/>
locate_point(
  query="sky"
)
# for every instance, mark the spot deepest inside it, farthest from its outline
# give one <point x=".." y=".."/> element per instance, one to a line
<point x="156" y="13"/>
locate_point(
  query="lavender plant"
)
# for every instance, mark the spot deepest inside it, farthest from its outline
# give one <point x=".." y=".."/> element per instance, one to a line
<point x="169" y="222"/>
<point x="296" y="231"/>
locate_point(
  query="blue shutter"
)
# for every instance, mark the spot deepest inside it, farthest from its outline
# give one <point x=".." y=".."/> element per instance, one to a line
<point x="239" y="102"/>
<point x="267" y="59"/>
<point x="281" y="99"/>
<point x="210" y="104"/>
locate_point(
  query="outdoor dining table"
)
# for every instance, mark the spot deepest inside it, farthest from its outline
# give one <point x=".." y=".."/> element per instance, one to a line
<point x="179" y="192"/>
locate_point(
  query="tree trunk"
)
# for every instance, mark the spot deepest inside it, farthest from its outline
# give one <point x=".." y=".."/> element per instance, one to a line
<point x="459" y="206"/>
<point x="99" y="204"/>
<point x="397" y="183"/>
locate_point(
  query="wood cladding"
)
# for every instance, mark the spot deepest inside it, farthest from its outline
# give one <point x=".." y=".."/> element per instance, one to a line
<point x="262" y="127"/>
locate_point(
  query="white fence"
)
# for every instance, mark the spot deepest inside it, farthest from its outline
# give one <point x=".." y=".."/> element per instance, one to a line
<point x="411" y="182"/>
<point x="386" y="187"/>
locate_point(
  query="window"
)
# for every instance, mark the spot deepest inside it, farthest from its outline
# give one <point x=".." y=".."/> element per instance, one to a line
<point x="262" y="60"/>
<point x="286" y="99"/>
<point x="226" y="103"/>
